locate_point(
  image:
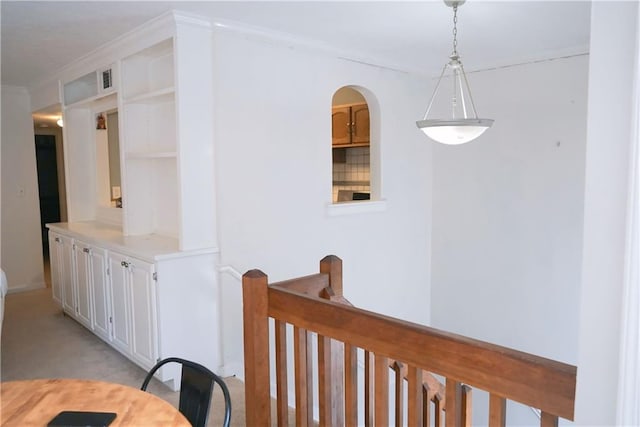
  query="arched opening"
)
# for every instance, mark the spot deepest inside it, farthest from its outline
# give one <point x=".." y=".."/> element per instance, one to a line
<point x="350" y="142"/>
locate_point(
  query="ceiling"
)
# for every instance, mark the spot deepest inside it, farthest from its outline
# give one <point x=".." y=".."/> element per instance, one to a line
<point x="38" y="38"/>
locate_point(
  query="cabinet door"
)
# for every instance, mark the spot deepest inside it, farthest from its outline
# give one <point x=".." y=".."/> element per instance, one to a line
<point x="341" y="125"/>
<point x="56" y="266"/>
<point x="360" y="124"/>
<point x="119" y="289"/>
<point x="143" y="312"/>
<point x="67" y="277"/>
<point x="83" y="277"/>
<point x="100" y="293"/>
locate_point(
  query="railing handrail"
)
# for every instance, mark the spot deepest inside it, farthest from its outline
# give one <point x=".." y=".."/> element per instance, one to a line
<point x="532" y="380"/>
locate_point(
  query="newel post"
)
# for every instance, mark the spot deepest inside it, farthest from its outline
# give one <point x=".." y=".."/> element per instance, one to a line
<point x="255" y="298"/>
<point x="332" y="265"/>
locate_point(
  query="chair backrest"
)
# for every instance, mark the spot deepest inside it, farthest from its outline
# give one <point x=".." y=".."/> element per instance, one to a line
<point x="196" y="390"/>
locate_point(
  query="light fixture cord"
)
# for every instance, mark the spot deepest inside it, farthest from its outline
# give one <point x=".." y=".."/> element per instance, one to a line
<point x="454" y="93"/>
<point x="459" y="76"/>
<point x="455" y="30"/>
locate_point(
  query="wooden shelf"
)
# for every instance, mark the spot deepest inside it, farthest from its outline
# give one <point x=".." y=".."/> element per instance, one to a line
<point x="354" y="145"/>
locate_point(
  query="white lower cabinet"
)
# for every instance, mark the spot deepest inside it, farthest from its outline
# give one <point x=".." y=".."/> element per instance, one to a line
<point x="68" y="276"/>
<point x="60" y="265"/>
<point x="134" y="318"/>
<point x="120" y="311"/>
<point x="71" y="277"/>
<point x="140" y="294"/>
<point x="82" y="283"/>
<point x="100" y="298"/>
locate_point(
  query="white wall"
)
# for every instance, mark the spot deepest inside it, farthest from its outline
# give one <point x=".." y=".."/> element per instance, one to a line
<point x="613" y="32"/>
<point x="273" y="150"/>
<point x="507" y="215"/>
<point x="21" y="238"/>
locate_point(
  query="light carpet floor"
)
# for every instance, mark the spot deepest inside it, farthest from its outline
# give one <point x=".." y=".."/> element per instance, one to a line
<point x="38" y="341"/>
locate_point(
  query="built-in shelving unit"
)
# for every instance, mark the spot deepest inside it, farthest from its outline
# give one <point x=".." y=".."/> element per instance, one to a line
<point x="150" y="141"/>
<point x="159" y="79"/>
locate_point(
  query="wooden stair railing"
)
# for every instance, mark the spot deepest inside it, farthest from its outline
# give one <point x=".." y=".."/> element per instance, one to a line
<point x="313" y="310"/>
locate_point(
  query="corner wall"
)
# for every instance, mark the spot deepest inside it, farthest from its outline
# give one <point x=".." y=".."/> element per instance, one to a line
<point x="507" y="216"/>
<point x="20" y="230"/>
<point x="611" y="68"/>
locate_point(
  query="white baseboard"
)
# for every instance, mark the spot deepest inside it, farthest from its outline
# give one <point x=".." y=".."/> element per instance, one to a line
<point x="233" y="369"/>
<point x="26" y="288"/>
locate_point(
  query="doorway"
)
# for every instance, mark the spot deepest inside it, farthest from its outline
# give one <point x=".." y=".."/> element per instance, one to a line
<point x="49" y="151"/>
<point x="47" y="165"/>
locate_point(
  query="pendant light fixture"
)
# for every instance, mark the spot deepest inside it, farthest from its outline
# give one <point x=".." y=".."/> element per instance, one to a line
<point x="463" y="124"/>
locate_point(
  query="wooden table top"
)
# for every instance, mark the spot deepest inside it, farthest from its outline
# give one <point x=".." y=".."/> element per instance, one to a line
<point x="36" y="402"/>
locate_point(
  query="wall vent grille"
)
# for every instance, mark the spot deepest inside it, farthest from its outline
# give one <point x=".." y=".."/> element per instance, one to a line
<point x="107" y="82"/>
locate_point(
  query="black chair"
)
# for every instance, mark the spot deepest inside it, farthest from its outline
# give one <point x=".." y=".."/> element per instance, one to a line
<point x="196" y="389"/>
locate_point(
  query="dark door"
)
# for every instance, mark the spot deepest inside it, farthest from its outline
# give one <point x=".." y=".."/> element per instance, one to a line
<point x="47" y="184"/>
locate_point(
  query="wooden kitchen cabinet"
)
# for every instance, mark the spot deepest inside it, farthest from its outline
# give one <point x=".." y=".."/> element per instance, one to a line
<point x="341" y="125"/>
<point x="360" y="124"/>
<point x="350" y="125"/>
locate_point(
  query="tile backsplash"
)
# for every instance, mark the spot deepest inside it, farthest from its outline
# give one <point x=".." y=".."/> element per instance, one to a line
<point x="354" y="174"/>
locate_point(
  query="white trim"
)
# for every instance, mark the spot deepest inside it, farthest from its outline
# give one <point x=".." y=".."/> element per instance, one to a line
<point x="628" y="399"/>
<point x="353" y="208"/>
<point x="25" y="288"/>
<point x="231" y="272"/>
<point x="233" y="369"/>
<point x="295" y="41"/>
<point x="15" y="89"/>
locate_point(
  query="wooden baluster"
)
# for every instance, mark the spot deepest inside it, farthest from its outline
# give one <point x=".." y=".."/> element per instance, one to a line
<point x="453" y="403"/>
<point x="414" y="398"/>
<point x="548" y="420"/>
<point x="256" y="347"/>
<point x="438" y="411"/>
<point x="368" y="389"/>
<point x="381" y="378"/>
<point x="282" y="392"/>
<point x="331" y="380"/>
<point x="325" y="388"/>
<point x="303" y="378"/>
<point x="426" y="406"/>
<point x="497" y="411"/>
<point x="466" y="419"/>
<point x="399" y="393"/>
<point x="337" y="383"/>
<point x="350" y="385"/>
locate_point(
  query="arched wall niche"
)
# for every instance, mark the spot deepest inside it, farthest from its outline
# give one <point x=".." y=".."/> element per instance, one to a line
<point x="355" y="130"/>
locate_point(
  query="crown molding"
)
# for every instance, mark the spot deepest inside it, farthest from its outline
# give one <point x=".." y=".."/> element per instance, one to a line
<point x="14" y="89"/>
<point x="293" y="41"/>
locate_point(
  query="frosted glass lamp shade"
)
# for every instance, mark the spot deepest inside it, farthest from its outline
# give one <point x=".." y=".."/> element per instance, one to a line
<point x="454" y="132"/>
